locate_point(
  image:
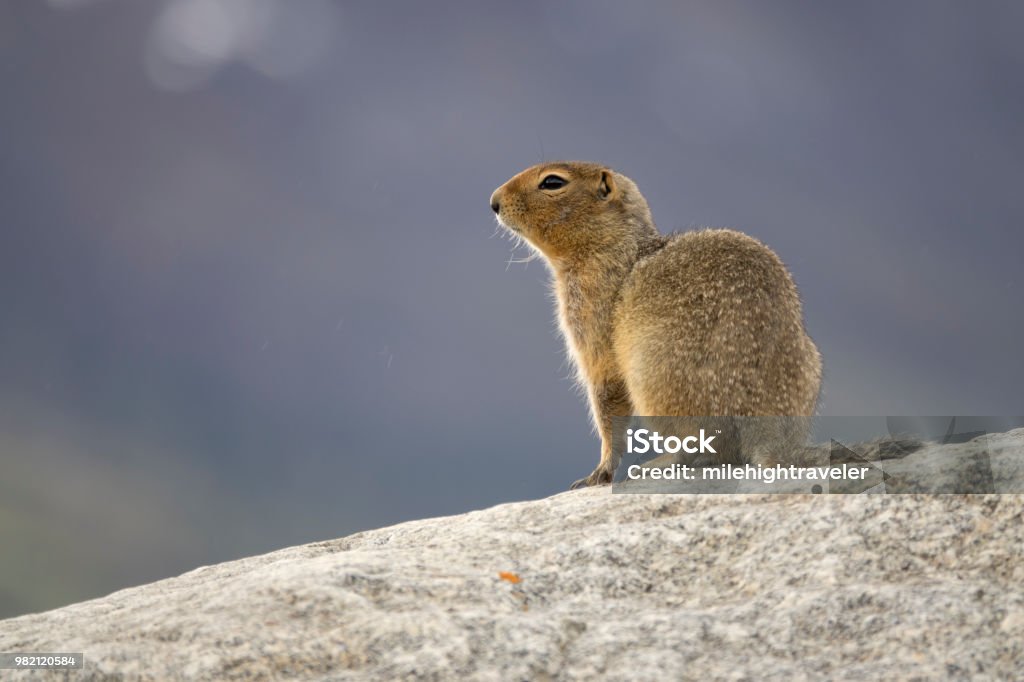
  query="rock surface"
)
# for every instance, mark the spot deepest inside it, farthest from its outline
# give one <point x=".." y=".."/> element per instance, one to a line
<point x="589" y="584"/>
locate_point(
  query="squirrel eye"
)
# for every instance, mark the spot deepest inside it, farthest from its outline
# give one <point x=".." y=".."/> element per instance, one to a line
<point x="553" y="182"/>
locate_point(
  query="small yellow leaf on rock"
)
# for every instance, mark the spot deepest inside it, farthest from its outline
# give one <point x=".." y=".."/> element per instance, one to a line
<point x="511" y="577"/>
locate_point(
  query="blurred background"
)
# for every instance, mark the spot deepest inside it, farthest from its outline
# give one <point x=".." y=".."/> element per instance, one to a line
<point x="251" y="294"/>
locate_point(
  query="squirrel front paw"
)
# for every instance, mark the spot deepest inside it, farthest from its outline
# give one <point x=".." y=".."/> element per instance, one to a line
<point x="600" y="476"/>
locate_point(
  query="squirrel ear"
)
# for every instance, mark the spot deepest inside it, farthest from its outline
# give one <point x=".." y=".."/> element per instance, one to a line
<point x="607" y="186"/>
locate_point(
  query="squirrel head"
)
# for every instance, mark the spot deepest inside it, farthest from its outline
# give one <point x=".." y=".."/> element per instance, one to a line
<point x="570" y="210"/>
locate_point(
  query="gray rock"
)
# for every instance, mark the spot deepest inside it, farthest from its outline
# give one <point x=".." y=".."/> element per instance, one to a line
<point x="738" y="587"/>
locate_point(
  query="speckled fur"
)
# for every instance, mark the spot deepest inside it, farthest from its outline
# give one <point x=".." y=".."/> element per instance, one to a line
<point x="697" y="323"/>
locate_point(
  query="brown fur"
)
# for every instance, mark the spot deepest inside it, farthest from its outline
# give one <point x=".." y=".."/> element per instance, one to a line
<point x="696" y="323"/>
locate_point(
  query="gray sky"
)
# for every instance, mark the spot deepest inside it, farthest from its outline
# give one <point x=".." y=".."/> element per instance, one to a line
<point x="251" y="294"/>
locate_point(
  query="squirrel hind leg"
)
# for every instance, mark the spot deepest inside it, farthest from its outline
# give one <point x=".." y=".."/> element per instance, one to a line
<point x="774" y="440"/>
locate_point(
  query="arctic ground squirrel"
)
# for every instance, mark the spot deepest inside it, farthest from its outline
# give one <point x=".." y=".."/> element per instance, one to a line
<point x="699" y="323"/>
